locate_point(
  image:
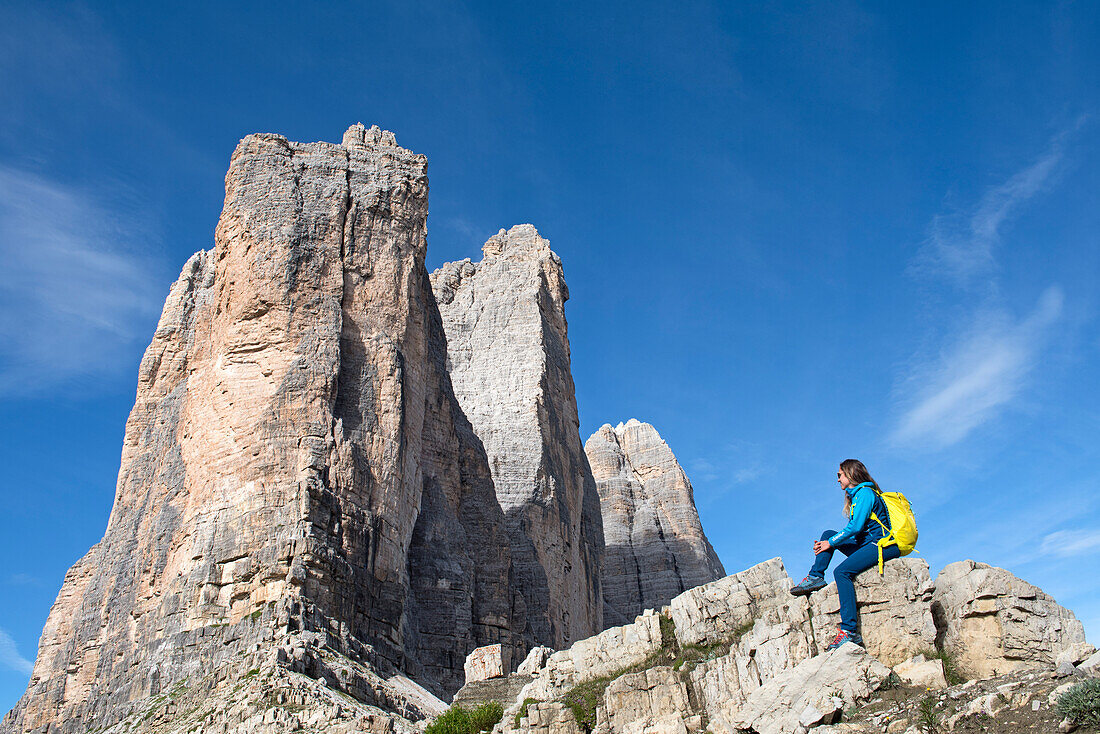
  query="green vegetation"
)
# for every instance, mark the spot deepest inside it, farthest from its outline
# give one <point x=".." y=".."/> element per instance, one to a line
<point x="927" y="718"/>
<point x="691" y="655"/>
<point x="892" y="681"/>
<point x="485" y="716"/>
<point x="523" y="710"/>
<point x="1081" y="704"/>
<point x="668" y="633"/>
<point x="950" y="665"/>
<point x="583" y="698"/>
<point x="457" y="720"/>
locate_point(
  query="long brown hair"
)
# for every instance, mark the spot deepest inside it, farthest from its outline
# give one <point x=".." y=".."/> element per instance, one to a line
<point x="858" y="473"/>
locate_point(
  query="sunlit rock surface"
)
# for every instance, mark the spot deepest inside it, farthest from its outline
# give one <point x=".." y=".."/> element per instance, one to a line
<point x="508" y="356"/>
<point x="656" y="547"/>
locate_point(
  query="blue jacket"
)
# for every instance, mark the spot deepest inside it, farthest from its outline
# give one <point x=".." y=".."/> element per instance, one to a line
<point x="861" y="529"/>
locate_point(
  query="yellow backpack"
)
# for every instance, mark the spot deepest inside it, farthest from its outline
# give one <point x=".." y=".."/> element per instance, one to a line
<point x="903" y="526"/>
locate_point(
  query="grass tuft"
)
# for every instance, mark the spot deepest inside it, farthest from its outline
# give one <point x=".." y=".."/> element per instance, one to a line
<point x="486" y="716"/>
<point x="927" y="718"/>
<point x="457" y="720"/>
<point x="523" y="710"/>
<point x="1081" y="704"/>
<point x="668" y="633"/>
<point x="692" y="654"/>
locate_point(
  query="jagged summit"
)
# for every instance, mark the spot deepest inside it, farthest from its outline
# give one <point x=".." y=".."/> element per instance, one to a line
<point x="509" y="362"/>
<point x="361" y="137"/>
<point x="655" y="544"/>
<point x="620" y="429"/>
<point x="295" y="463"/>
<point x="519" y="241"/>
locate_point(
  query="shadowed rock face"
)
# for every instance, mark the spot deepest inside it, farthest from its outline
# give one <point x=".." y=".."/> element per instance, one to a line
<point x="655" y="545"/>
<point x="295" y="459"/>
<point x="508" y="355"/>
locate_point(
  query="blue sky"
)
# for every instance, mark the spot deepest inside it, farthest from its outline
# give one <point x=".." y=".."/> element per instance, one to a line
<point x="791" y="235"/>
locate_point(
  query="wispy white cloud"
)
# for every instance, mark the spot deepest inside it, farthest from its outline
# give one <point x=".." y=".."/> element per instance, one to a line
<point x="734" y="466"/>
<point x="24" y="579"/>
<point x="75" y="295"/>
<point x="1066" y="543"/>
<point x="976" y="376"/>
<point x="702" y="470"/>
<point x="989" y="359"/>
<point x="10" y="657"/>
<point x="961" y="246"/>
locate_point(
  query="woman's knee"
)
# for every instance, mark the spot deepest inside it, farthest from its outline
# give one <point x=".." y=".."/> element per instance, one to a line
<point x="828" y="534"/>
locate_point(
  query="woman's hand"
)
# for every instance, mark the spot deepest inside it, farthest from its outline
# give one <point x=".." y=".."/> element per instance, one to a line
<point x="820" y="546"/>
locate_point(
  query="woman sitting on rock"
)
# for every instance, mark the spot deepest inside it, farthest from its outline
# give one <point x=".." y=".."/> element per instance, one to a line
<point x="858" y="540"/>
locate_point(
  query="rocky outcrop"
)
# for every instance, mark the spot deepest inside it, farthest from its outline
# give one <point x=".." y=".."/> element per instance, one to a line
<point x="508" y="356"/>
<point x="895" y="610"/>
<point x="996" y="623"/>
<point x="603" y="655"/>
<point x="308" y="693"/>
<point x="811" y="693"/>
<point x="295" y="458"/>
<point x="484" y="663"/>
<point x="655" y="701"/>
<point x="725" y="641"/>
<point x="655" y="545"/>
<point x="741" y="654"/>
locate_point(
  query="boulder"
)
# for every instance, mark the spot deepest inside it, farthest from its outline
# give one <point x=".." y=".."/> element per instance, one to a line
<point x="483" y="663"/>
<point x="653" y="700"/>
<point x="996" y="623"/>
<point x="535" y="660"/>
<point x="920" y="671"/>
<point x="895" y="614"/>
<point x="811" y="693"/>
<point x="551" y="717"/>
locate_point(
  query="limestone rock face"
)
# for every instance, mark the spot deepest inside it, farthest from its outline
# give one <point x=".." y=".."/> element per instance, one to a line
<point x="895" y="610"/>
<point x="508" y="356"/>
<point x="608" y="652"/>
<point x="653" y="700"/>
<point x="295" y="458"/>
<point x="741" y="654"/>
<point x="811" y="693"/>
<point x="997" y="623"/>
<point x="655" y="545"/>
<point x="551" y="717"/>
<point x="922" y="672"/>
<point x="484" y="663"/>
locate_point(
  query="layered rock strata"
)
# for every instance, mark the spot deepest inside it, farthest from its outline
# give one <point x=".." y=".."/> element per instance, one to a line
<point x="655" y="545"/>
<point x="996" y="623"/>
<point x="741" y="654"/>
<point x="752" y="632"/>
<point x="295" y="458"/>
<point x="508" y="356"/>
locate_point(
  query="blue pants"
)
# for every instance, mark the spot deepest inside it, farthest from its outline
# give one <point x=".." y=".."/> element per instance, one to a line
<point x="860" y="558"/>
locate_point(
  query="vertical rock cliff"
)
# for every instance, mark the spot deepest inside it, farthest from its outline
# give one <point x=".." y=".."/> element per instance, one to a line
<point x="508" y="355"/>
<point x="295" y="459"/>
<point x="655" y="545"/>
